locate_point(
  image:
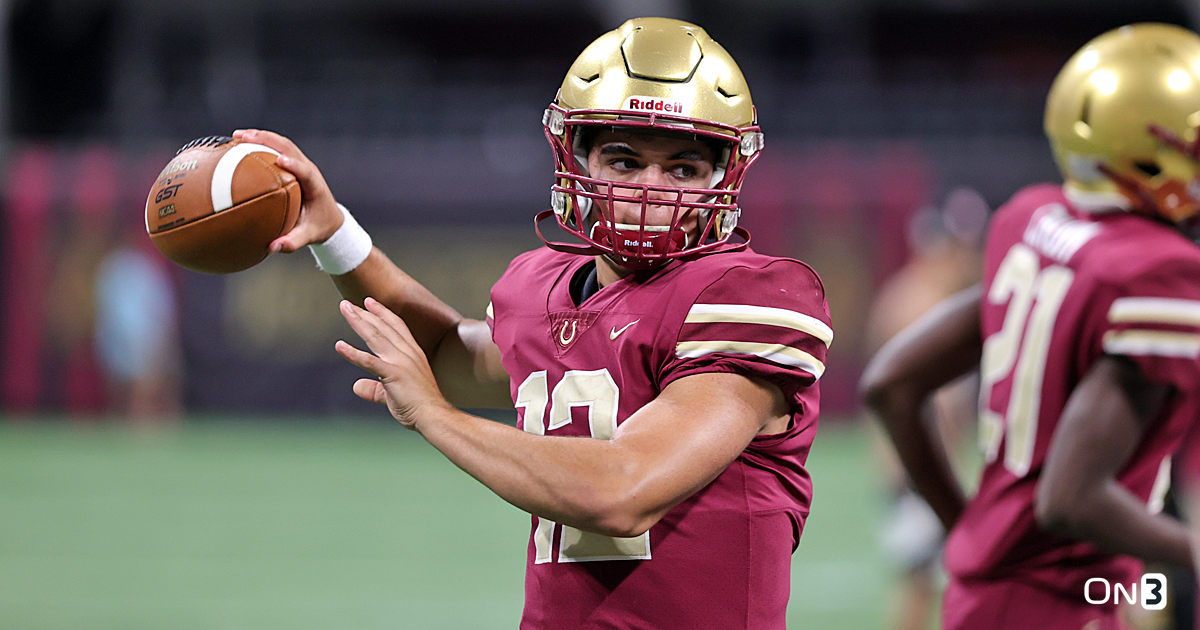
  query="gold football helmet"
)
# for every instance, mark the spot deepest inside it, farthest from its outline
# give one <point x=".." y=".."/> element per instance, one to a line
<point x="654" y="74"/>
<point x="1122" y="118"/>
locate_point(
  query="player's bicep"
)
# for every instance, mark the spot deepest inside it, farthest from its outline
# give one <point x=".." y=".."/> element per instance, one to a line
<point x="691" y="432"/>
<point x="468" y="368"/>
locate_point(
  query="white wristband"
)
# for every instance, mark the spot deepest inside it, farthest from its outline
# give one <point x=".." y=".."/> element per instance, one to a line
<point x="345" y="250"/>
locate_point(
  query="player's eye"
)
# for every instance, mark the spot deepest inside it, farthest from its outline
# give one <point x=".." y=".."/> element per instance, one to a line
<point x="624" y="164"/>
<point x="684" y="171"/>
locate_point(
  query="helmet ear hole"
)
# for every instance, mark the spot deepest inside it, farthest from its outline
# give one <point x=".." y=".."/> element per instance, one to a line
<point x="1149" y="168"/>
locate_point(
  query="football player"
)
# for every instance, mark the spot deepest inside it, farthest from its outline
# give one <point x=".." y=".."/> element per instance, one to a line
<point x="1086" y="332"/>
<point x="665" y="375"/>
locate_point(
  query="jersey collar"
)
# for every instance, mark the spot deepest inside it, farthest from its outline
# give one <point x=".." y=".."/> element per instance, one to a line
<point x="1096" y="201"/>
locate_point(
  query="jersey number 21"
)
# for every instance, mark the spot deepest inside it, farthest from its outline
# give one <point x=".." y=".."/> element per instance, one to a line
<point x="1034" y="296"/>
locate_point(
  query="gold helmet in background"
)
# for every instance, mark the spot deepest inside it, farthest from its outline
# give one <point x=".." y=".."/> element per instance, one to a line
<point x="1122" y="118"/>
<point x="654" y="74"/>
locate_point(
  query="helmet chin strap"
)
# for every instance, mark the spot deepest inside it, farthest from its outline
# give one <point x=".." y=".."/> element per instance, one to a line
<point x="630" y="242"/>
<point x="635" y="229"/>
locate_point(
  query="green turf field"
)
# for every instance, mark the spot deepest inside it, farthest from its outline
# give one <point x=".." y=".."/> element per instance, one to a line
<point x="330" y="525"/>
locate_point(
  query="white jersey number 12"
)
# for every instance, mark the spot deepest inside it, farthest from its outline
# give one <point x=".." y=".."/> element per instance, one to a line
<point x="595" y="390"/>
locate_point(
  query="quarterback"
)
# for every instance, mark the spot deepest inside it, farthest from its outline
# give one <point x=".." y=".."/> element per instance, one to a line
<point x="665" y="375"/>
<point x="1086" y="332"/>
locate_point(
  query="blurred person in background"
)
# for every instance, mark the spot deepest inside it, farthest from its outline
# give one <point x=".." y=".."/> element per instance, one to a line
<point x="945" y="260"/>
<point x="137" y="332"/>
<point x="1086" y="331"/>
<point x="691" y="360"/>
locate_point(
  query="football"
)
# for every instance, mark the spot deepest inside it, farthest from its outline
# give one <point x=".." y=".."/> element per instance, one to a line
<point x="219" y="203"/>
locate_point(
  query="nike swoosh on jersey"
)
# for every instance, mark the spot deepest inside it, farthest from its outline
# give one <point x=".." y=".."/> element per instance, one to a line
<point x="614" y="333"/>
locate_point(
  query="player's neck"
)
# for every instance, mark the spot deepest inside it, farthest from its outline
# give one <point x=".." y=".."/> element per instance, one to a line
<point x="608" y="272"/>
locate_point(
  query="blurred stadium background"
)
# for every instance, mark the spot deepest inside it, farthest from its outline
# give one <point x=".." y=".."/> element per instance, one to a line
<point x="184" y="451"/>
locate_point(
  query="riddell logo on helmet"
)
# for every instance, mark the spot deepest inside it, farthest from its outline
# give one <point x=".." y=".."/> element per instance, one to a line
<point x="652" y="104"/>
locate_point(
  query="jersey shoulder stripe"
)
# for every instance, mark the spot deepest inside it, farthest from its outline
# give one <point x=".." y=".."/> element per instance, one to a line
<point x="1155" y="310"/>
<point x="763" y="315"/>
<point x="1159" y="343"/>
<point x="774" y="352"/>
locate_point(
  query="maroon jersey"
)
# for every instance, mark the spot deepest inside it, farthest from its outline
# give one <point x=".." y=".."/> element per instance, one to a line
<point x="721" y="558"/>
<point x="1064" y="288"/>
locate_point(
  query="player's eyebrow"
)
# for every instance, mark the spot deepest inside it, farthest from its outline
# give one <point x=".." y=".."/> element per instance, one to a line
<point x="690" y="155"/>
<point x="618" y="148"/>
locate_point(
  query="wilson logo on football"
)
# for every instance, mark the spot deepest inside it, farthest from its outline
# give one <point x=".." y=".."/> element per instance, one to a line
<point x="176" y="166"/>
<point x="652" y="104"/>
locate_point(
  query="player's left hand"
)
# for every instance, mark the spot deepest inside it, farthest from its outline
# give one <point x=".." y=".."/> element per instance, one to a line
<point x="405" y="382"/>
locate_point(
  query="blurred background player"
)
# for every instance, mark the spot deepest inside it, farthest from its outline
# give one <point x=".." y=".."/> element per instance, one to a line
<point x="945" y="260"/>
<point x="136" y="332"/>
<point x="691" y="360"/>
<point x="1087" y="332"/>
<point x="136" y="338"/>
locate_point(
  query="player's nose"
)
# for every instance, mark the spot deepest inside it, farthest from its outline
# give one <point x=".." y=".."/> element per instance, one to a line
<point x="653" y="175"/>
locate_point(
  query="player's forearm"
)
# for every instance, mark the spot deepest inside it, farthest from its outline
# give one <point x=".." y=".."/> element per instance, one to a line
<point x="427" y="316"/>
<point x="908" y="419"/>
<point x="576" y="481"/>
<point x="941" y="346"/>
<point x="1116" y="521"/>
<point x="1078" y="494"/>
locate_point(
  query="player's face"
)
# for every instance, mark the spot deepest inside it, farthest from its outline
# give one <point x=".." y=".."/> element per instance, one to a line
<point x="652" y="159"/>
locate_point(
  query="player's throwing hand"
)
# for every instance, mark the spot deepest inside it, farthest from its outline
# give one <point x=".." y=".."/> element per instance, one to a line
<point x="319" y="214"/>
